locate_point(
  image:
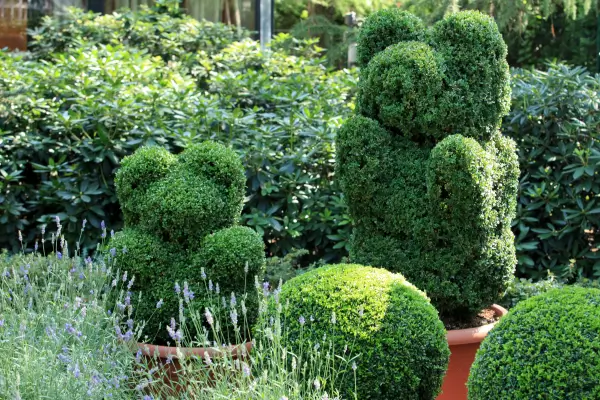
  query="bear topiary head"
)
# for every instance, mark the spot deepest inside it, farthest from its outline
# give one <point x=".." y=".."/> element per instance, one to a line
<point x="547" y="347"/>
<point x="429" y="84"/>
<point x="180" y="216"/>
<point x="429" y="180"/>
<point x="380" y="318"/>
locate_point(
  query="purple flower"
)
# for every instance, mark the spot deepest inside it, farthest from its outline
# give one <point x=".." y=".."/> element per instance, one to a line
<point x="266" y="288"/>
<point x="76" y="371"/>
<point x="159" y="304"/>
<point x="113" y="252"/>
<point x="57" y="219"/>
<point x="35" y="248"/>
<point x="187" y="293"/>
<point x="138" y="356"/>
<point x="102" y="225"/>
<point x="125" y="276"/>
<point x="129" y="323"/>
<point x="147" y="397"/>
<point x="245" y="370"/>
<point x="83" y="224"/>
<point x="209" y="317"/>
<point x="43" y="230"/>
<point x="128" y="299"/>
<point x="69" y="329"/>
<point x="217" y="290"/>
<point x="233" y="300"/>
<point x="175" y="335"/>
<point x="203" y="274"/>
<point x="234" y="317"/>
<point x="1" y="323"/>
<point x="210" y="285"/>
<point x="173" y="324"/>
<point x="130" y="284"/>
<point x="301" y="320"/>
<point x="59" y="255"/>
<point x="177" y="288"/>
<point x="88" y="260"/>
<point x="64" y="359"/>
<point x="112" y="233"/>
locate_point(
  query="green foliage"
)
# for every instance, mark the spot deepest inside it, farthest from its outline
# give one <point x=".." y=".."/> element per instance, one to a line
<point x="547" y="347"/>
<point x="176" y="37"/>
<point x="377" y="314"/>
<point x="179" y="214"/>
<point x="430" y="182"/>
<point x="385" y="28"/>
<point x="555" y="123"/>
<point x="66" y="122"/>
<point x="535" y="31"/>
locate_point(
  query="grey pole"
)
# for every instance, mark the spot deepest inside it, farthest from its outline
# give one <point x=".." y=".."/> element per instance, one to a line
<point x="266" y="22"/>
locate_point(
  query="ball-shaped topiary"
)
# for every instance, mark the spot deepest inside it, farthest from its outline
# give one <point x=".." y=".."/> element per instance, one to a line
<point x="547" y="347"/>
<point x="429" y="180"/>
<point x="379" y="316"/>
<point x="180" y="215"/>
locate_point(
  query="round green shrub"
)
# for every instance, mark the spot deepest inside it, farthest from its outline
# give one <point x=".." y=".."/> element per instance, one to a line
<point x="547" y="347"/>
<point x="180" y="214"/>
<point x="384" y="28"/>
<point x="379" y="316"/>
<point x="430" y="182"/>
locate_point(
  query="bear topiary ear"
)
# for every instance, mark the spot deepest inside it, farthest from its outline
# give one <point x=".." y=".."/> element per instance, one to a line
<point x="217" y="163"/>
<point x="475" y="71"/>
<point x="138" y="171"/>
<point x="385" y="28"/>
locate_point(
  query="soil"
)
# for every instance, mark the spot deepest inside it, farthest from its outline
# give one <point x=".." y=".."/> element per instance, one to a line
<point x="485" y="317"/>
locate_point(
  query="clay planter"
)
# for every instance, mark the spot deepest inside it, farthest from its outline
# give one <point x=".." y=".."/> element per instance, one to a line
<point x="463" y="346"/>
<point x="166" y="360"/>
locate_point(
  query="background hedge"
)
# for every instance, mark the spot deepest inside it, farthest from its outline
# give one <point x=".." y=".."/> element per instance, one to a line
<point x="67" y="119"/>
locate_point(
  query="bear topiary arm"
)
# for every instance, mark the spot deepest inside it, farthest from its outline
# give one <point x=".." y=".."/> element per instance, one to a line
<point x="363" y="150"/>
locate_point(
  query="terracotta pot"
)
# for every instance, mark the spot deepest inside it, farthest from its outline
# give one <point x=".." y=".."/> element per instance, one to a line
<point x="463" y="346"/>
<point x="165" y="358"/>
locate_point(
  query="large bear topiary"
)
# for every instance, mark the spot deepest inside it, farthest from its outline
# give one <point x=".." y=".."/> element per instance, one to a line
<point x="180" y="219"/>
<point x="430" y="182"/>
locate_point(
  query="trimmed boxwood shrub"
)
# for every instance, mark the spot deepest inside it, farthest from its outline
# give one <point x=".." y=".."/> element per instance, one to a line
<point x="430" y="182"/>
<point x="180" y="213"/>
<point x="547" y="347"/>
<point x="390" y="324"/>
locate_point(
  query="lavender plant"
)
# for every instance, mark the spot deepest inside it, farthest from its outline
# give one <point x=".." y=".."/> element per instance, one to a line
<point x="58" y="337"/>
<point x="270" y="370"/>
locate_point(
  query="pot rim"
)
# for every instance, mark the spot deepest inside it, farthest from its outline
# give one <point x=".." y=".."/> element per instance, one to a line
<point x="457" y="337"/>
<point x="171" y="352"/>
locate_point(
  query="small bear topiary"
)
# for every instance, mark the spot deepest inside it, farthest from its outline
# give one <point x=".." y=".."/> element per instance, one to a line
<point x="430" y="182"/>
<point x="547" y="347"/>
<point x="382" y="318"/>
<point x="180" y="219"/>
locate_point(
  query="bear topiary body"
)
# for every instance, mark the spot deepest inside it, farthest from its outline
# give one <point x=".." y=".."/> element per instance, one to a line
<point x="382" y="318"/>
<point x="547" y="347"/>
<point x="180" y="219"/>
<point x="429" y="180"/>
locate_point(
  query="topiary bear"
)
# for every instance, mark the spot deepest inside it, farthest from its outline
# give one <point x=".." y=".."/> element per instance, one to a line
<point x="430" y="182"/>
<point x="180" y="219"/>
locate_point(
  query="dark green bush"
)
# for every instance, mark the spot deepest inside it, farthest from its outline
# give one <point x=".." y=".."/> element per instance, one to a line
<point x="546" y="347"/>
<point x="430" y="182"/>
<point x="380" y="317"/>
<point x="173" y="37"/>
<point x="179" y="214"/>
<point x="65" y="124"/>
<point x="555" y="122"/>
